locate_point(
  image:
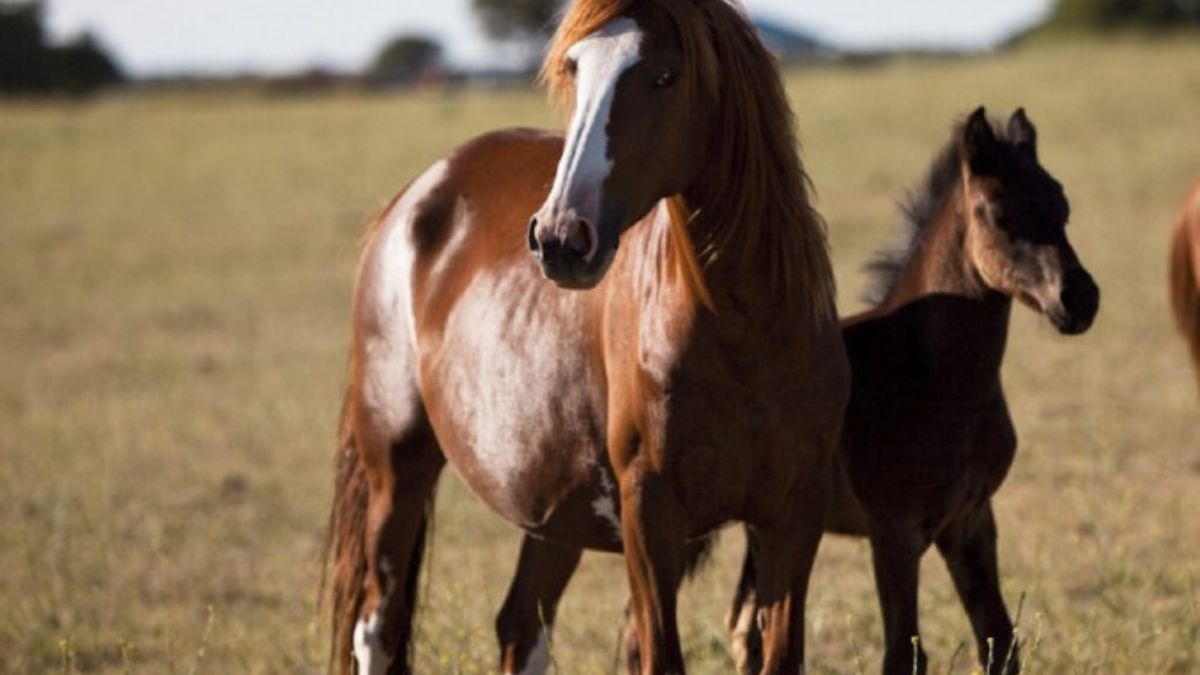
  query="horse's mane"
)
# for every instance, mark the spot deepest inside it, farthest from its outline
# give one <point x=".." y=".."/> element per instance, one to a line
<point x="919" y="209"/>
<point x="757" y="205"/>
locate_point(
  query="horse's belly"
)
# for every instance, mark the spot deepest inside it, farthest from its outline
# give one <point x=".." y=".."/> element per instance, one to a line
<point x="518" y="408"/>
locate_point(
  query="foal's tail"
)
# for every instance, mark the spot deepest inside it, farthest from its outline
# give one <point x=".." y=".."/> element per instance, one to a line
<point x="1185" y="287"/>
<point x="345" y="542"/>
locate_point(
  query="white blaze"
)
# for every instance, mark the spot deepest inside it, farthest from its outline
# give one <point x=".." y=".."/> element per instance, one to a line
<point x="600" y="60"/>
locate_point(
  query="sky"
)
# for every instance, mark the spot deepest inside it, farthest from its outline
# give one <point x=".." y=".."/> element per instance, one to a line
<point x="276" y="36"/>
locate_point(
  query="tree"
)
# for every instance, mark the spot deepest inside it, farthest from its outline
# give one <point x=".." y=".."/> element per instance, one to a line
<point x="525" y="24"/>
<point x="405" y="58"/>
<point x="1114" y="14"/>
<point x="24" y="62"/>
<point x="83" y="66"/>
<point x="516" y="19"/>
<point x="28" y="65"/>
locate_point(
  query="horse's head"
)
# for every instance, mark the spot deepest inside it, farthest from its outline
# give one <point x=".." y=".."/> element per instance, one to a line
<point x="1017" y="216"/>
<point x="635" y="134"/>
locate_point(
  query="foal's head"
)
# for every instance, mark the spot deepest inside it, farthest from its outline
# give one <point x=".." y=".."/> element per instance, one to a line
<point x="632" y="76"/>
<point x="1016" y="216"/>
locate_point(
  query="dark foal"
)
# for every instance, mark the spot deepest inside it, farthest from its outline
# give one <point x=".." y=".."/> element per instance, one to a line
<point x="928" y="439"/>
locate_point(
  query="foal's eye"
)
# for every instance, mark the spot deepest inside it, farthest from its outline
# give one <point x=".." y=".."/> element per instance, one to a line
<point x="665" y="79"/>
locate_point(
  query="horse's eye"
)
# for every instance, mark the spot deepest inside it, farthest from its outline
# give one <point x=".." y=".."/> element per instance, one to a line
<point x="569" y="66"/>
<point x="665" y="79"/>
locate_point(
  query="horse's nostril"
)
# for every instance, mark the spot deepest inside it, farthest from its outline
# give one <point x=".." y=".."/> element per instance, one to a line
<point x="582" y="239"/>
<point x="531" y="237"/>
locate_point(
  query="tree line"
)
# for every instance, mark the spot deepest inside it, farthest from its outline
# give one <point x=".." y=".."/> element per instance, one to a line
<point x="30" y="65"/>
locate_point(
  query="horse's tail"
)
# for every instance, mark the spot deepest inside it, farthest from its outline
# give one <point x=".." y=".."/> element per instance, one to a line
<point x="345" y="542"/>
<point x="1185" y="287"/>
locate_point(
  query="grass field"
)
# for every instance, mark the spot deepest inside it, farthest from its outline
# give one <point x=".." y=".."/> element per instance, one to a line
<point x="174" y="284"/>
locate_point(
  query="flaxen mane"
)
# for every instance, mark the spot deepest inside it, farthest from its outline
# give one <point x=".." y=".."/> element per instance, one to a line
<point x="918" y="211"/>
<point x="757" y="210"/>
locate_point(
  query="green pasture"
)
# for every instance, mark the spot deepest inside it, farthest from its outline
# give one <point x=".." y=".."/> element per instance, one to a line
<point x="175" y="275"/>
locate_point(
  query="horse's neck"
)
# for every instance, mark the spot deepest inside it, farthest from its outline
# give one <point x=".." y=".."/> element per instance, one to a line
<point x="743" y="286"/>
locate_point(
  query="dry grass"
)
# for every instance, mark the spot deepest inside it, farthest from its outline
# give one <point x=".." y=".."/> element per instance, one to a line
<point x="174" y="278"/>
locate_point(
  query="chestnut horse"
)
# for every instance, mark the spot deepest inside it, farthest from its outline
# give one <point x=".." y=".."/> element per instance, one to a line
<point x="928" y="439"/>
<point x="696" y="377"/>
<point x="1185" y="274"/>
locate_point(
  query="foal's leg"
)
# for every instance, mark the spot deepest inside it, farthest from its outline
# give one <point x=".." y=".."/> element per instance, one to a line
<point x="969" y="548"/>
<point x="896" y="553"/>
<point x="654" y="534"/>
<point x="525" y="621"/>
<point x="401" y="476"/>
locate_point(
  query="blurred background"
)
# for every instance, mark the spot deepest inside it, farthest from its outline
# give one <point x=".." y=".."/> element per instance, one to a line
<point x="183" y="188"/>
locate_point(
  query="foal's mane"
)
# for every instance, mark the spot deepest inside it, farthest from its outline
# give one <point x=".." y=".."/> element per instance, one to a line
<point x="755" y="209"/>
<point x="920" y="208"/>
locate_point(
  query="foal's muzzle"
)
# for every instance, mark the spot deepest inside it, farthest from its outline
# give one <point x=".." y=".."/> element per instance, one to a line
<point x="1080" y="302"/>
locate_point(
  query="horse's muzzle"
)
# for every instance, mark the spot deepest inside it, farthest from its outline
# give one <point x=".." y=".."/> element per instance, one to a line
<point x="570" y="255"/>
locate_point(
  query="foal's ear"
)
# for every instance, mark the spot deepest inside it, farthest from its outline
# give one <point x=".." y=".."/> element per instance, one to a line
<point x="1022" y="134"/>
<point x="979" y="143"/>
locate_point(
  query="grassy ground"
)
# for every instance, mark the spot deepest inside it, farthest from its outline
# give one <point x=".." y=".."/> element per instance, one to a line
<point x="174" y="285"/>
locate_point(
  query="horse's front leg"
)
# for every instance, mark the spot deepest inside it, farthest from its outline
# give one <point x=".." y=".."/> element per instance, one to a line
<point x="783" y="558"/>
<point x="655" y="534"/>
<point x="525" y="622"/>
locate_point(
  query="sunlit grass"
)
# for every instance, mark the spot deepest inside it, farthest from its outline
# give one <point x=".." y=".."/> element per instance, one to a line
<point x="175" y="276"/>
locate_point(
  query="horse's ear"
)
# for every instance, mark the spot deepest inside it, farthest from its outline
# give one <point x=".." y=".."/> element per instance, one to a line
<point x="1022" y="134"/>
<point x="979" y="143"/>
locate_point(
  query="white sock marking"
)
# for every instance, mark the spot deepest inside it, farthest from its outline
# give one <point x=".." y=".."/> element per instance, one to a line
<point x="368" y="647"/>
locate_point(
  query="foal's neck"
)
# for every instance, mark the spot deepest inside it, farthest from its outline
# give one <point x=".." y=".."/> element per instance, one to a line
<point x="940" y="274"/>
<point x="939" y="263"/>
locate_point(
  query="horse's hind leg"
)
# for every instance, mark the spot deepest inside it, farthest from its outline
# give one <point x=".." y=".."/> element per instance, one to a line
<point x="401" y="475"/>
<point x="969" y="548"/>
<point x="742" y="622"/>
<point x="524" y="623"/>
